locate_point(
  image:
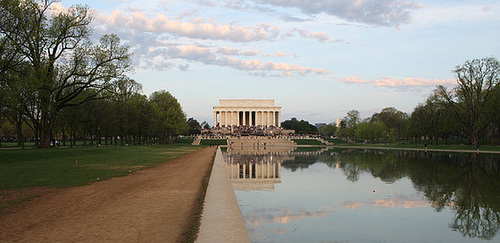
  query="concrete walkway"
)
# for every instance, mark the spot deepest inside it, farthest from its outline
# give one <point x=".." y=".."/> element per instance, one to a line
<point x="221" y="219"/>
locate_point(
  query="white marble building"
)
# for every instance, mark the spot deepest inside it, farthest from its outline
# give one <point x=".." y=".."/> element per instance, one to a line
<point x="242" y="112"/>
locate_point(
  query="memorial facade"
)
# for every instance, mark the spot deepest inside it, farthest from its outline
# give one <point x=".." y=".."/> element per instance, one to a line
<point x="247" y="112"/>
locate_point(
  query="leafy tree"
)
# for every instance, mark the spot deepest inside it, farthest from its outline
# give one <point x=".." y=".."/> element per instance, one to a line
<point x="194" y="126"/>
<point x="63" y="60"/>
<point x="147" y="117"/>
<point x="348" y="124"/>
<point x="371" y="130"/>
<point x="328" y="130"/>
<point x="468" y="101"/>
<point x="205" y="125"/>
<point x="393" y="119"/>
<point x="173" y="119"/>
<point x="425" y="119"/>
<point x="493" y="108"/>
<point x="300" y="127"/>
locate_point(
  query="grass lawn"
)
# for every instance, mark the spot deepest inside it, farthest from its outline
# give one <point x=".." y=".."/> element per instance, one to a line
<point x="307" y="142"/>
<point x="14" y="144"/>
<point x="214" y="142"/>
<point x="66" y="167"/>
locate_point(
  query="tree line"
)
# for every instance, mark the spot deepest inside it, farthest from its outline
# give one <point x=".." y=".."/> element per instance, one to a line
<point x="55" y="81"/>
<point x="470" y="110"/>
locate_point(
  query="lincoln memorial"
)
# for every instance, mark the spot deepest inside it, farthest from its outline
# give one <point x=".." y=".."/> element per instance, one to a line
<point x="242" y="112"/>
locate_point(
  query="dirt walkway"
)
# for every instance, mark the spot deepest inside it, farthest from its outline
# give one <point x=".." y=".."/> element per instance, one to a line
<point x="152" y="205"/>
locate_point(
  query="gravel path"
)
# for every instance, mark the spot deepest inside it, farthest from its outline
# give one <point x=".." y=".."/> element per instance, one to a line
<point x="152" y="205"/>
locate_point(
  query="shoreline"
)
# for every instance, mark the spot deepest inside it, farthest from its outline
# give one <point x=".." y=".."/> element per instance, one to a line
<point x="420" y="149"/>
<point x="221" y="219"/>
<point x="383" y="148"/>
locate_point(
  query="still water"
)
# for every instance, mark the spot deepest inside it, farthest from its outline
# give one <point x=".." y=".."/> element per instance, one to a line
<point x="341" y="195"/>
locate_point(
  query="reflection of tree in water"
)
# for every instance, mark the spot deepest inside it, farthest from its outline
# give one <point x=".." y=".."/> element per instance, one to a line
<point x="300" y="162"/>
<point x="468" y="184"/>
<point x="386" y="166"/>
<point x="474" y="221"/>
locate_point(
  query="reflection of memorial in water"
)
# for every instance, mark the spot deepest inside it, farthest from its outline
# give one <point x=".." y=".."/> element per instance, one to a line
<point x="256" y="169"/>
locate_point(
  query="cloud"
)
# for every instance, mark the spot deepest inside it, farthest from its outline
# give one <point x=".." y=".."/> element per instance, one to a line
<point x="56" y="8"/>
<point x="319" y="36"/>
<point x="236" y="52"/>
<point x="200" y="28"/>
<point x="282" y="216"/>
<point x="184" y="67"/>
<point x="191" y="52"/>
<point x="278" y="54"/>
<point x="412" y="82"/>
<point x="381" y="12"/>
<point x="389" y="203"/>
<point x="457" y="14"/>
<point x="218" y="57"/>
<point x="401" y="84"/>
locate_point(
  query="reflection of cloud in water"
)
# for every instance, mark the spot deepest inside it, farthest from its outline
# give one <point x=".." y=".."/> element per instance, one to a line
<point x="389" y="203"/>
<point x="257" y="217"/>
<point x="398" y="202"/>
<point x="352" y="205"/>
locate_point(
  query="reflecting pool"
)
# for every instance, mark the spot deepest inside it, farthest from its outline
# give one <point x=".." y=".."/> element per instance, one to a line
<point x="342" y="195"/>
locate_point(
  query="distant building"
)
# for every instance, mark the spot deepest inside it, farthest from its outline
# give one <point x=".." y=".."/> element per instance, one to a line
<point x="317" y="125"/>
<point x="338" y="121"/>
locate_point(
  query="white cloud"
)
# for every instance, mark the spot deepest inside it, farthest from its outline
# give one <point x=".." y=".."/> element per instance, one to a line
<point x="277" y="54"/>
<point x="218" y="57"/>
<point x="205" y="29"/>
<point x="184" y="67"/>
<point x="380" y="12"/>
<point x="236" y="52"/>
<point x="401" y="84"/>
<point x="412" y="82"/>
<point x="453" y="13"/>
<point x="319" y="36"/>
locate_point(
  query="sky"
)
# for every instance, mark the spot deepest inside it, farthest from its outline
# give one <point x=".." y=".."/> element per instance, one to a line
<point x="318" y="59"/>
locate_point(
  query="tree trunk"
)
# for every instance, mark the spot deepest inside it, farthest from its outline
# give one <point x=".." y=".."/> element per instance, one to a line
<point x="19" y="130"/>
<point x="84" y="139"/>
<point x="45" y="130"/>
<point x="74" y="138"/>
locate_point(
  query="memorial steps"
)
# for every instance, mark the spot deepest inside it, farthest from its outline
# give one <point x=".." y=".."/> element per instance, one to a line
<point x="260" y="142"/>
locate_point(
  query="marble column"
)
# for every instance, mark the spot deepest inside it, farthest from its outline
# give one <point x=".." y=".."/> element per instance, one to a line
<point x="215" y="118"/>
<point x="273" y="122"/>
<point x="279" y="119"/>
<point x="244" y="118"/>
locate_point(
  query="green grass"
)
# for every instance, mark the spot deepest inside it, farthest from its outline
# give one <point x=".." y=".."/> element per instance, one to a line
<point x="65" y="167"/>
<point x="308" y="149"/>
<point x="336" y="141"/>
<point x="307" y="142"/>
<point x="185" y="140"/>
<point x="14" y="144"/>
<point x="214" y="142"/>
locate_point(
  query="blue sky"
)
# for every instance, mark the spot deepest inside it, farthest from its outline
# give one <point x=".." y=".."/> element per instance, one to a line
<point x="317" y="59"/>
